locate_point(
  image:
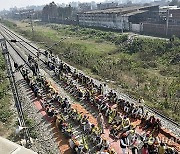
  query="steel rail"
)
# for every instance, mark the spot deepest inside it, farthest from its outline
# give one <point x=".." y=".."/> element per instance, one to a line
<point x="18" y="104"/>
<point x="78" y="136"/>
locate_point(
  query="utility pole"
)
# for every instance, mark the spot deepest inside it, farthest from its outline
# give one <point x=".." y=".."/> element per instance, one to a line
<point x="167" y="21"/>
<point x="122" y="23"/>
<point x="48" y="19"/>
<point x="31" y="22"/>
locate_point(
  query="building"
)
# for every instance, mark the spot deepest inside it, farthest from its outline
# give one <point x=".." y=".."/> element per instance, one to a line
<point x="119" y="18"/>
<point x="22" y="14"/>
<point x="168" y="24"/>
<point x="172" y="13"/>
<point x="102" y="6"/>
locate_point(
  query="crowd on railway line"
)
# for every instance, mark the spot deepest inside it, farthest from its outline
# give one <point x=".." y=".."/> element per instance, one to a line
<point x="103" y="101"/>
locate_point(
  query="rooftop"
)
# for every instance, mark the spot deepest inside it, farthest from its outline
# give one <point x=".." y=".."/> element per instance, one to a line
<point x="122" y="10"/>
<point x="135" y="12"/>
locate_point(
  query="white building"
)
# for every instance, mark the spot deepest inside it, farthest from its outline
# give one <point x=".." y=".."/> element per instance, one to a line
<point x="118" y="18"/>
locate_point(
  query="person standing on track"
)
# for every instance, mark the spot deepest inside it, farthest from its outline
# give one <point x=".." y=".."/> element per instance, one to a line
<point x="100" y="121"/>
<point x="16" y="65"/>
<point x="38" y="54"/>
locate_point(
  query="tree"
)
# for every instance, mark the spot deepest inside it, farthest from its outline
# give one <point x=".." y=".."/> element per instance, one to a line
<point x="174" y="3"/>
<point x="50" y="12"/>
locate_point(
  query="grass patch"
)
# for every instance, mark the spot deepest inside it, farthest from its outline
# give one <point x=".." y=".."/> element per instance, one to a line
<point x="6" y="113"/>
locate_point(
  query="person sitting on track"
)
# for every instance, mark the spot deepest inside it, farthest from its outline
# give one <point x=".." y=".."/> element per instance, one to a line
<point x="161" y="148"/>
<point x="157" y="125"/>
<point x="134" y="145"/>
<point x="79" y="117"/>
<point x="108" y="111"/>
<point x="114" y="98"/>
<point x="73" y="143"/>
<point x="110" y="94"/>
<point x="87" y="95"/>
<point x="29" y="58"/>
<point x="100" y="90"/>
<point x="144" y="150"/>
<point x="134" y="112"/>
<point x="87" y="127"/>
<point x="131" y="107"/>
<point x="117" y="119"/>
<point x="126" y="107"/>
<point x="50" y="111"/>
<point x="124" y="143"/>
<point x="126" y="123"/>
<point x="119" y="103"/>
<point x="68" y="132"/>
<point x="150" y="122"/>
<point x="111" y="116"/>
<point x="74" y="114"/>
<point x="59" y="121"/>
<point x="151" y="146"/>
<point x="84" y="151"/>
<point x="64" y="126"/>
<point x="94" y="130"/>
<point x="104" y="106"/>
<point x="79" y="94"/>
<point x="65" y="105"/>
<point x="57" y="97"/>
<point x="84" y="119"/>
<point x="24" y="73"/>
<point x="140" y="112"/>
<point x="98" y="142"/>
<point x="105" y="144"/>
<point x="114" y="131"/>
<point x="35" y="90"/>
<point x="145" y="117"/>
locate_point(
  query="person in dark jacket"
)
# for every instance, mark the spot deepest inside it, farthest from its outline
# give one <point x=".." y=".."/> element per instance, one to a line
<point x="124" y="143"/>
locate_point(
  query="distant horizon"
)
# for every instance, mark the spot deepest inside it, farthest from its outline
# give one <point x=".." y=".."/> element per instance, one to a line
<point x="6" y="5"/>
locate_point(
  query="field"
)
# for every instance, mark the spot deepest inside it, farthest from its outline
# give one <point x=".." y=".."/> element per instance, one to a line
<point x="148" y="68"/>
<point x="5" y="102"/>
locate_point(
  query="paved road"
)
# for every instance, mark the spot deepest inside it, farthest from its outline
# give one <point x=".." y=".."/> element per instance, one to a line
<point x="131" y="34"/>
<point x="8" y="147"/>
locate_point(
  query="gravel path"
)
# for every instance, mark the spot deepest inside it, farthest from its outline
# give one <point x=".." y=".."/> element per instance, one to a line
<point x="45" y="143"/>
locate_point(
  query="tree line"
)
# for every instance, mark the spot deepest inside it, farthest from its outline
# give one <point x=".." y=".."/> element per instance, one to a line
<point x="52" y="12"/>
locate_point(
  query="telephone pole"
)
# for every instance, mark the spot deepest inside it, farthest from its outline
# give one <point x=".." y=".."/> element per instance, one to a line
<point x="31" y="23"/>
<point x="167" y="21"/>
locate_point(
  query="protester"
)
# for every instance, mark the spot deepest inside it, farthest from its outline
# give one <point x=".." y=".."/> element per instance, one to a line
<point x="124" y="143"/>
<point x="100" y="121"/>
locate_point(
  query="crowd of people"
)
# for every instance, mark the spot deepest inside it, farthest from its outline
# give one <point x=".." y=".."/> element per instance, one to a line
<point x="118" y="118"/>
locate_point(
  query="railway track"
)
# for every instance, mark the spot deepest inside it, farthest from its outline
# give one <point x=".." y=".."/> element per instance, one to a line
<point x="10" y="72"/>
<point x="27" y="50"/>
<point x="78" y="132"/>
<point x="15" y="36"/>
